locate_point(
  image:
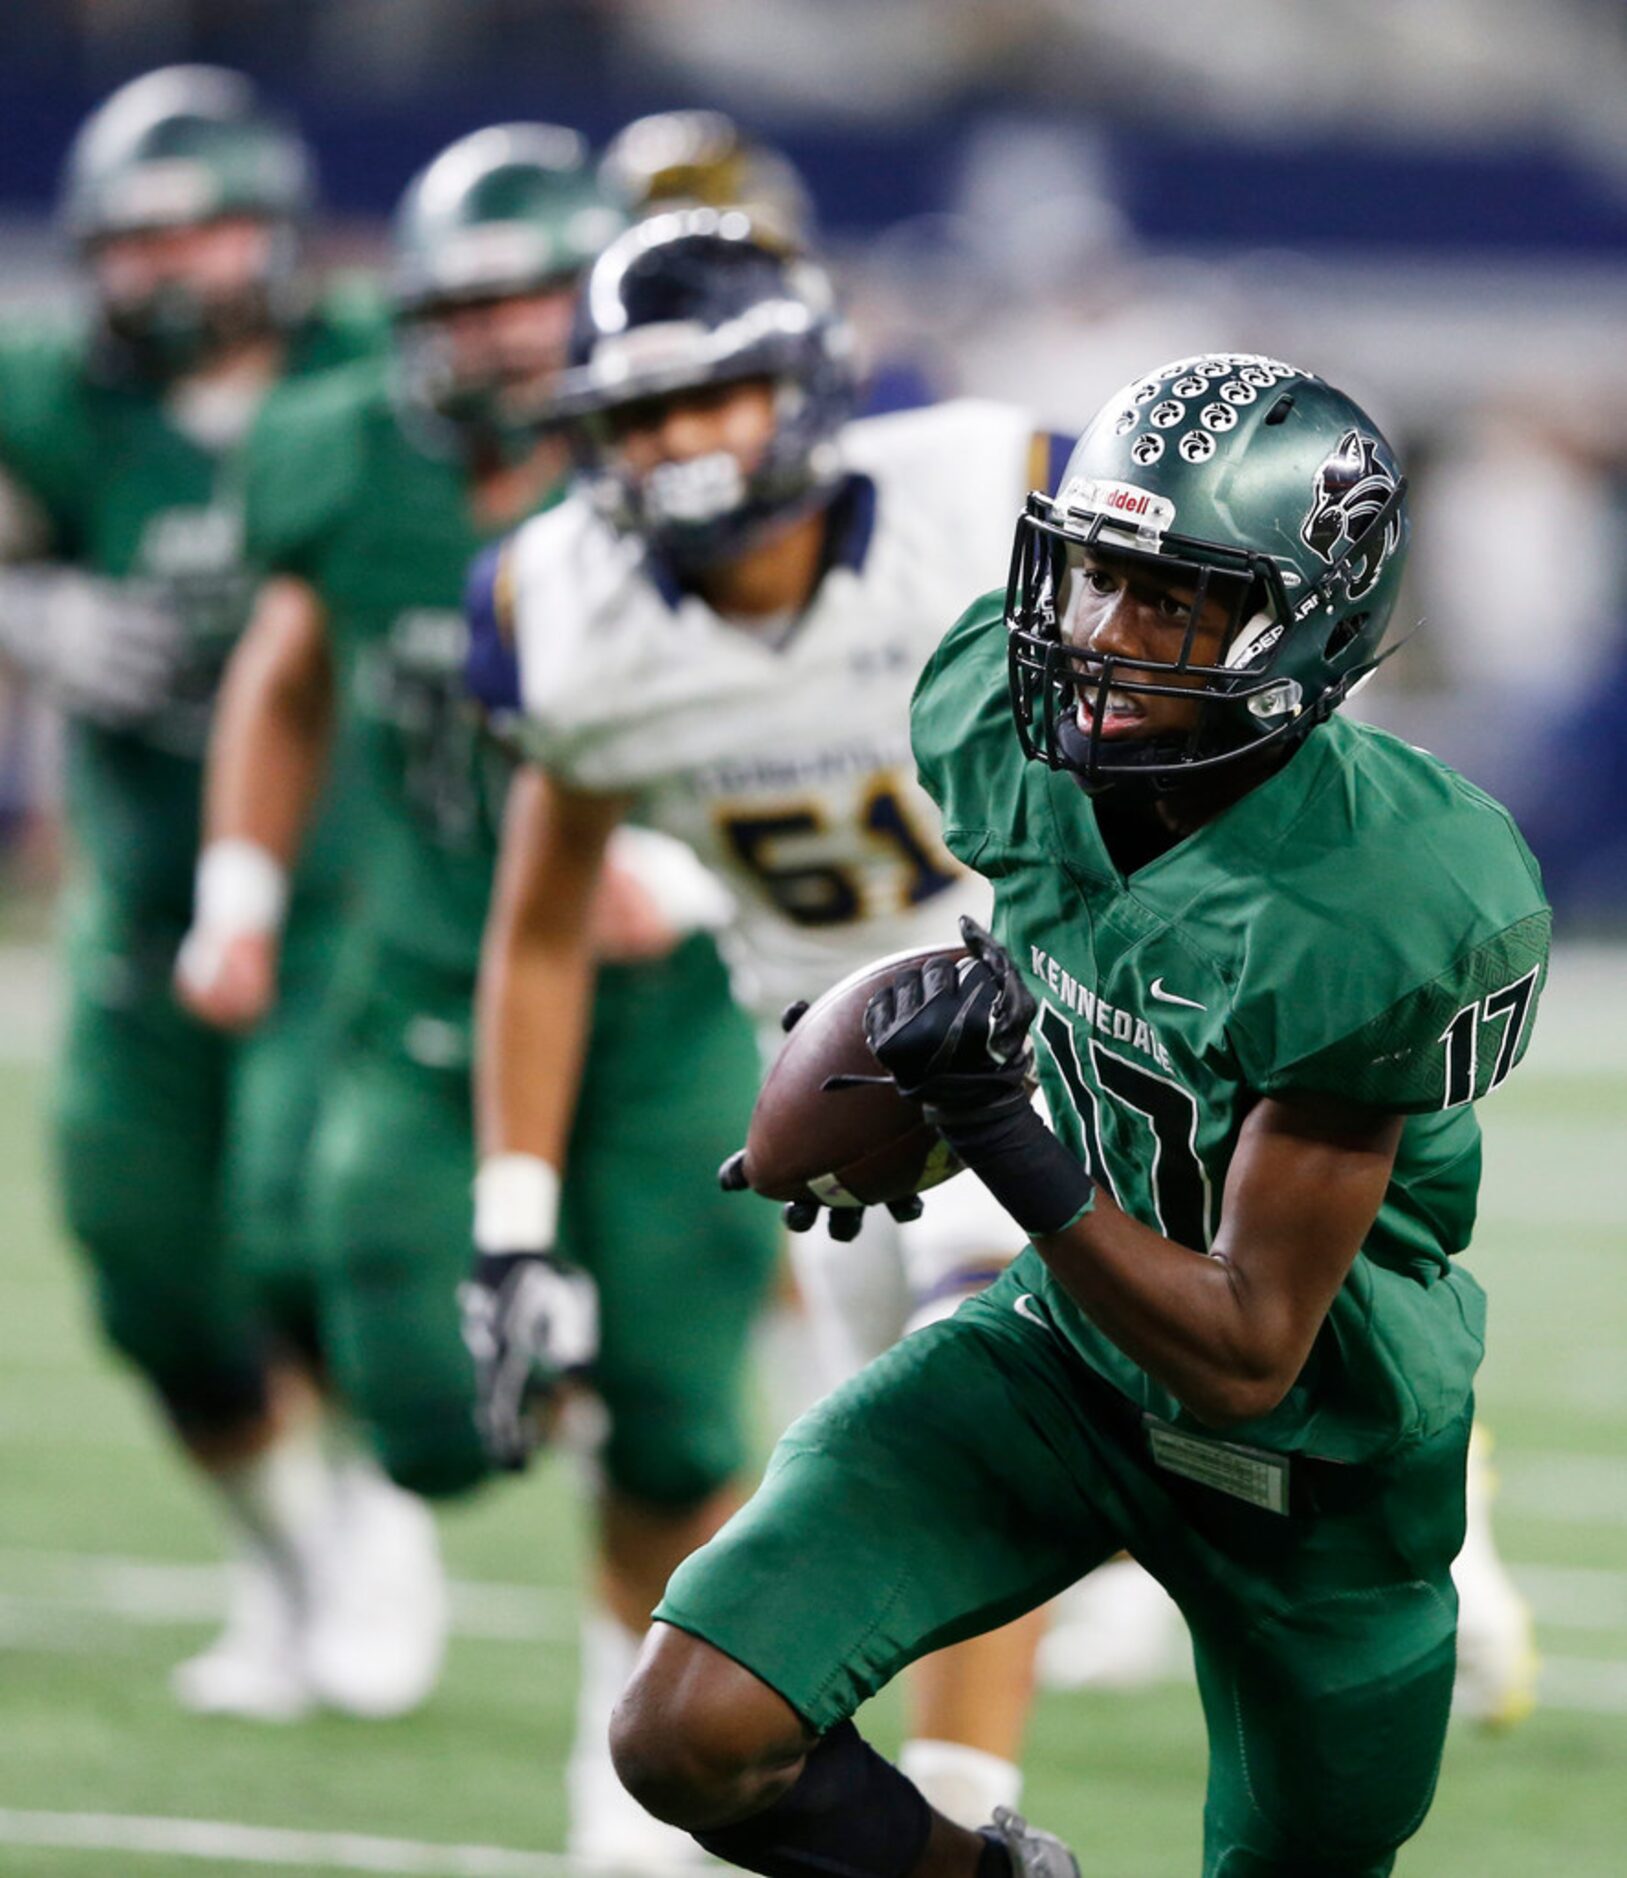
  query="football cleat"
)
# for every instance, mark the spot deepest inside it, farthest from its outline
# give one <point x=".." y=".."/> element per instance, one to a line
<point x="1033" y="1854"/>
<point x="376" y="1635"/>
<point x="253" y="1669"/>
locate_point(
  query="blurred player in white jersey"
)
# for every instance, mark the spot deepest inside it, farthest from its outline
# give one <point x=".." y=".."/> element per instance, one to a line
<point x="722" y="626"/>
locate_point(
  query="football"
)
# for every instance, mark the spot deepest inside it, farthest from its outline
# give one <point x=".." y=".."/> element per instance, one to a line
<point x="854" y="1146"/>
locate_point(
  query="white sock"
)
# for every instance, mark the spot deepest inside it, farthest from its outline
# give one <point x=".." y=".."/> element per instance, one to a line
<point x="281" y="1502"/>
<point x="609" y="1650"/>
<point x="354" y="1471"/>
<point x="1479" y="1551"/>
<point x="606" y="1824"/>
<point x="964" y="1784"/>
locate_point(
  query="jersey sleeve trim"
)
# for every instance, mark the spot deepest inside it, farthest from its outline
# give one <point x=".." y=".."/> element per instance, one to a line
<point x="1447" y="1042"/>
<point x="492" y="670"/>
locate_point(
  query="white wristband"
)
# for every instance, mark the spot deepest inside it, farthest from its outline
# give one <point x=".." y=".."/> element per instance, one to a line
<point x="516" y="1204"/>
<point x="240" y="888"/>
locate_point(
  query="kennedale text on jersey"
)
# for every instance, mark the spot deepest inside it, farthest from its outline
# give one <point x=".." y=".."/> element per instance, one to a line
<point x="1121" y="1025"/>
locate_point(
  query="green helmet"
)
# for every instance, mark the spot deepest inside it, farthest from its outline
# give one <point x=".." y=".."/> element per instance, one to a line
<point x="179" y="147"/>
<point x="1248" y="480"/>
<point x="510" y="210"/>
<point x="514" y="208"/>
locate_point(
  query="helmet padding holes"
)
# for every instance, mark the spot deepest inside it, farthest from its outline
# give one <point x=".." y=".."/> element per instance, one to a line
<point x="1278" y="414"/>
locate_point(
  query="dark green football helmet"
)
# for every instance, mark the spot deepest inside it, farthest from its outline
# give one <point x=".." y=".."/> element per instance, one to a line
<point x="1240" y="478"/>
<point x="181" y="147"/>
<point x="511" y="210"/>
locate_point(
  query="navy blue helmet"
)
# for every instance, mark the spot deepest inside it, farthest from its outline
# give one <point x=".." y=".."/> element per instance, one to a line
<point x="694" y="299"/>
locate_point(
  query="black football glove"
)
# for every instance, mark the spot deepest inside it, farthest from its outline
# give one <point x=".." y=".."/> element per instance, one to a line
<point x="843" y="1222"/>
<point x="531" y="1322"/>
<point x="953" y="1035"/>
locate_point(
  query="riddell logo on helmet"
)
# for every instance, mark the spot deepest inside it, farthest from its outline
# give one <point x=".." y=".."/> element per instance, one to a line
<point x="1146" y="511"/>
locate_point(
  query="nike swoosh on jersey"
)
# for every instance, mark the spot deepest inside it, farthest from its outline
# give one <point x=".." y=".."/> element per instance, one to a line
<point x="1028" y="1306"/>
<point x="1170" y="997"/>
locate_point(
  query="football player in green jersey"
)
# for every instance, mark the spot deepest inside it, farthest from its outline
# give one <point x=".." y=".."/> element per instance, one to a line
<point x="367" y="497"/>
<point x="1266" y="960"/>
<point x="178" y="1152"/>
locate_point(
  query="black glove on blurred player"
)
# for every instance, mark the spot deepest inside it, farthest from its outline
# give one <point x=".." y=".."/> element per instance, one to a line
<point x="530" y="1321"/>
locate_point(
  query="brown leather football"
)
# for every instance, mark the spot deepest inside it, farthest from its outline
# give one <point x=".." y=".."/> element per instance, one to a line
<point x="842" y="1147"/>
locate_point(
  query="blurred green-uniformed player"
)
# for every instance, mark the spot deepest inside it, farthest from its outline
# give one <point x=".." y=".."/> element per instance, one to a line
<point x="368" y="494"/>
<point x="179" y="1150"/>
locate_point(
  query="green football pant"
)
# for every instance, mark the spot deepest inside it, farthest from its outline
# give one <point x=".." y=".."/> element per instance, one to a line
<point x="180" y="1155"/>
<point x="975" y="1470"/>
<point x="681" y="1268"/>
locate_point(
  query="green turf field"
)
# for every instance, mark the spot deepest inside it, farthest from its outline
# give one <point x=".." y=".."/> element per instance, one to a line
<point x="106" y="1578"/>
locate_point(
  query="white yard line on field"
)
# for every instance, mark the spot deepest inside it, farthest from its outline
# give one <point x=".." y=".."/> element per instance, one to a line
<point x="1583" y="1685"/>
<point x="222" y="1841"/>
<point x="1564" y="1487"/>
<point x="46" y="1598"/>
<point x="153" y="1594"/>
<point x="1574" y="1597"/>
<point x="56" y="1590"/>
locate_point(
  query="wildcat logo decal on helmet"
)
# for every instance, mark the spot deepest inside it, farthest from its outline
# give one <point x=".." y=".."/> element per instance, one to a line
<point x="1351" y="489"/>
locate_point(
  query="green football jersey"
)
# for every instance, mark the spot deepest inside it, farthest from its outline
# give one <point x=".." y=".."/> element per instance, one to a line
<point x="340" y="496"/>
<point x="128" y="494"/>
<point x="1364" y="923"/>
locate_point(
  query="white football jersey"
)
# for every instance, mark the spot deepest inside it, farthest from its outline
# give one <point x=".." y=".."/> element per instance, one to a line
<point x="787" y="767"/>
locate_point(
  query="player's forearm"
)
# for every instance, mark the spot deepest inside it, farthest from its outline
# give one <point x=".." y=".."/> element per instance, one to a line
<point x="531" y="1036"/>
<point x="536" y="974"/>
<point x="1229" y="1332"/>
<point x="1185" y="1317"/>
<point x="273" y="727"/>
